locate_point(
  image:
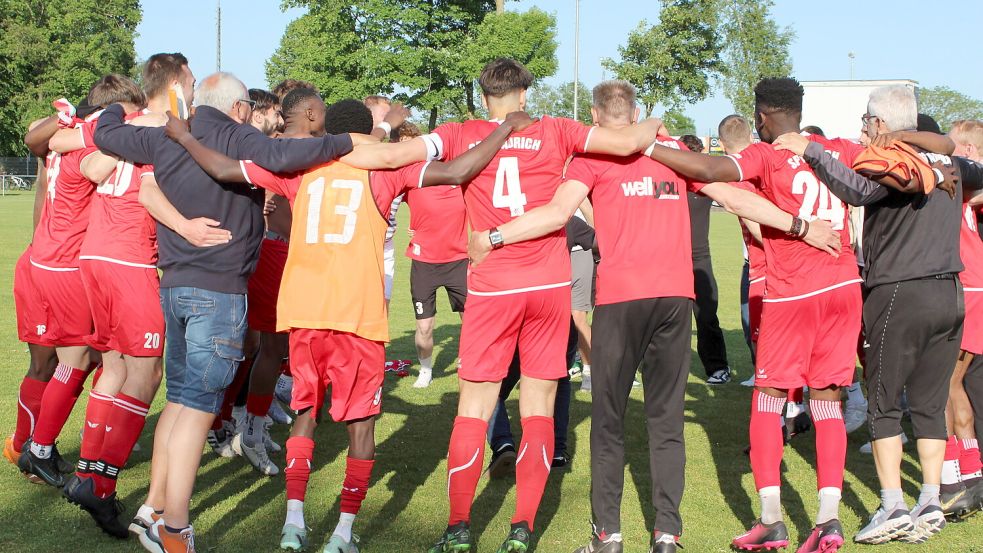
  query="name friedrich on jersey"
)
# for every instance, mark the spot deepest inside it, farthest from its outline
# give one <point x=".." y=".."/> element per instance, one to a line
<point x="517" y="143"/>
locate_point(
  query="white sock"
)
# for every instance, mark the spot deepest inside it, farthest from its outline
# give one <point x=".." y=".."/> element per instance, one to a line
<point x="771" y="504"/>
<point x="855" y="394"/>
<point x="295" y="513"/>
<point x="950" y="472"/>
<point x="793" y="410"/>
<point x="41" y="451"/>
<point x="252" y="434"/>
<point x="145" y="511"/>
<point x="929" y="494"/>
<point x="426" y="364"/>
<point x="586" y="369"/>
<point x="344" y="528"/>
<point x="829" y="505"/>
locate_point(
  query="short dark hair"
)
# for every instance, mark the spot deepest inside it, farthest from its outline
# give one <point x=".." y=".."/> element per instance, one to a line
<point x="348" y="116"/>
<point x="928" y="124"/>
<point x="812" y="129"/>
<point x="113" y="89"/>
<point x="780" y="94"/>
<point x="160" y="70"/>
<point x="692" y="142"/>
<point x="288" y="85"/>
<point x="295" y="98"/>
<point x="502" y="76"/>
<point x="264" y="99"/>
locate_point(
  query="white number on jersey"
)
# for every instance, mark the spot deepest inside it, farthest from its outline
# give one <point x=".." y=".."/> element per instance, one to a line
<point x="829" y="208"/>
<point x="152" y="340"/>
<point x="970" y="215"/>
<point x="54" y="167"/>
<point x="118" y="182"/>
<point x="507" y="193"/>
<point x="316" y="192"/>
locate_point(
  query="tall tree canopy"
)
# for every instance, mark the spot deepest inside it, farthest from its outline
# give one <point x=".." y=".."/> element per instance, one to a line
<point x="426" y="52"/>
<point x="557" y="101"/>
<point x="946" y="105"/>
<point x="55" y="48"/>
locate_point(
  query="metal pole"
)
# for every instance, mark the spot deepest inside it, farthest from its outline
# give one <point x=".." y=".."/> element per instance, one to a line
<point x="218" y="35"/>
<point x="852" y="57"/>
<point x="576" y="60"/>
<point x="500" y="6"/>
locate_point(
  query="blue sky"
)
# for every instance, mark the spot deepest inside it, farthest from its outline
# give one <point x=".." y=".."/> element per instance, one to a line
<point x="881" y="33"/>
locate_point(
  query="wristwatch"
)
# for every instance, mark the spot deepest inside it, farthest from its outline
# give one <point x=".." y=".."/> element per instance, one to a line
<point x="495" y="237"/>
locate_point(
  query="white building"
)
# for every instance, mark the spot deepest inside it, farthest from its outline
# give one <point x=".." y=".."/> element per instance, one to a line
<point x="837" y="106"/>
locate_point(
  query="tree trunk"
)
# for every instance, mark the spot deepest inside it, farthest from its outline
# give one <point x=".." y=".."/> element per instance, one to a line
<point x="500" y="6"/>
<point x="433" y="118"/>
<point x="469" y="95"/>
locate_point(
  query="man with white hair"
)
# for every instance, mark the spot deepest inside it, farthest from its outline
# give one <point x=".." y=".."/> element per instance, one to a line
<point x="203" y="291"/>
<point x="913" y="308"/>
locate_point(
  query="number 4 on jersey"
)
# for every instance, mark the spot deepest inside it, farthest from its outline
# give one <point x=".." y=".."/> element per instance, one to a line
<point x="507" y="193"/>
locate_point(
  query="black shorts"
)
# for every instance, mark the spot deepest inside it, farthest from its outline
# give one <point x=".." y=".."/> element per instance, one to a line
<point x="425" y="278"/>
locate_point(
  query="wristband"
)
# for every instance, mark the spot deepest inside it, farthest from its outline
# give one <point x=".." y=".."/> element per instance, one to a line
<point x="384" y="126"/>
<point x="796" y="229"/>
<point x="805" y="229"/>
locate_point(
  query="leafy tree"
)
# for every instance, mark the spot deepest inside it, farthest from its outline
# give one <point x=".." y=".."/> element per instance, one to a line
<point x="946" y="105"/>
<point x="755" y="47"/>
<point x="557" y="101"/>
<point x="428" y="52"/>
<point x="671" y="63"/>
<point x="55" y="48"/>
<point x="678" y="123"/>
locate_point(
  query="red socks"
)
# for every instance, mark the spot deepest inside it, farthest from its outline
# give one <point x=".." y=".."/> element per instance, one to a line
<point x="258" y="405"/>
<point x="300" y="451"/>
<point x="827" y="416"/>
<point x="766" y="439"/>
<point x="969" y="459"/>
<point x="56" y="405"/>
<point x="465" y="461"/>
<point x="532" y="467"/>
<point x="28" y="409"/>
<point x="357" y="474"/>
<point x="94" y="430"/>
<point x="123" y="428"/>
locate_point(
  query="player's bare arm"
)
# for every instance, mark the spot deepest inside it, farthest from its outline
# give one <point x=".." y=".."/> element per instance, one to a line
<point x="201" y="232"/>
<point x="466" y="166"/>
<point x="97" y="166"/>
<point x="936" y="143"/>
<point x="626" y="140"/>
<point x="39" y="133"/>
<point x="396" y="116"/>
<point x="699" y="167"/>
<point x="386" y="155"/>
<point x="534" y="223"/>
<point x="748" y="205"/>
<point x="754" y="229"/>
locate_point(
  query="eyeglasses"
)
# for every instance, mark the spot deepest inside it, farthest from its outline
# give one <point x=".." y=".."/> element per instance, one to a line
<point x="866" y="118"/>
<point x="247" y="101"/>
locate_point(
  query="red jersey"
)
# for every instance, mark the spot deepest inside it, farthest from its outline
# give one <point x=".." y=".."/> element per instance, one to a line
<point x="970" y="251"/>
<point x="755" y="251"/>
<point x="121" y="230"/>
<point x="522" y="176"/>
<point x="65" y="213"/>
<point x="794" y="268"/>
<point x="641" y="214"/>
<point x="439" y="221"/>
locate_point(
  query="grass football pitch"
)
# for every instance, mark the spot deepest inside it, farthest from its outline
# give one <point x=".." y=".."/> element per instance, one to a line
<point x="236" y="509"/>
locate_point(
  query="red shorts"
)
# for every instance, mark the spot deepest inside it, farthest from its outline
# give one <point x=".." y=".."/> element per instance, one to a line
<point x="537" y="322"/>
<point x="352" y="366"/>
<point x="61" y="317"/>
<point x="755" y="293"/>
<point x="28" y="303"/>
<point x="973" y="323"/>
<point x="264" y="285"/>
<point x="125" y="306"/>
<point x="810" y="341"/>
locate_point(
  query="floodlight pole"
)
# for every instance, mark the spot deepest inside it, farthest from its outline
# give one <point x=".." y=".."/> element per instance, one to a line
<point x="852" y="57"/>
<point x="576" y="60"/>
<point x="218" y="35"/>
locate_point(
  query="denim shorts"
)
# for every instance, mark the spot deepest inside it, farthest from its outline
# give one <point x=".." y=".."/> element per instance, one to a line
<point x="205" y="333"/>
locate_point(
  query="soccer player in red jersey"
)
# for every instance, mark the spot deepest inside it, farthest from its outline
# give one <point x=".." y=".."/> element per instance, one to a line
<point x="810" y="319"/>
<point x="345" y="313"/>
<point x="641" y="322"/>
<point x="61" y="313"/>
<point x="519" y="296"/>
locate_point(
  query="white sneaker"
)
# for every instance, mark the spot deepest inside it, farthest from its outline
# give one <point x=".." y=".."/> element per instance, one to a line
<point x="278" y="415"/>
<point x="256" y="456"/>
<point x="585" y="382"/>
<point x="869" y="449"/>
<point x="269" y="443"/>
<point x="749" y="382"/>
<point x="221" y="440"/>
<point x="424" y="378"/>
<point x="855" y="415"/>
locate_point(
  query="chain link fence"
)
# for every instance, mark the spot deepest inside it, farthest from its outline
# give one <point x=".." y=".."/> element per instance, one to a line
<point x="17" y="173"/>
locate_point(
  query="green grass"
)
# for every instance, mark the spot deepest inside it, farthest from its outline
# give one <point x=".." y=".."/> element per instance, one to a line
<point x="234" y="509"/>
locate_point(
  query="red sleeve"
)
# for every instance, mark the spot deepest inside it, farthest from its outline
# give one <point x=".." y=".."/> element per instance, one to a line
<point x="386" y="185"/>
<point x="581" y="169"/>
<point x="144" y="170"/>
<point x="257" y="176"/>
<point x="849" y="150"/>
<point x="88" y="130"/>
<point x="694" y="186"/>
<point x="450" y="140"/>
<point x="751" y="162"/>
<point x="572" y="136"/>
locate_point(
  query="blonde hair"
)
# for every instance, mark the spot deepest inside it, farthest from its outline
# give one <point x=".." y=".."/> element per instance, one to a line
<point x="615" y="99"/>
<point x="968" y="131"/>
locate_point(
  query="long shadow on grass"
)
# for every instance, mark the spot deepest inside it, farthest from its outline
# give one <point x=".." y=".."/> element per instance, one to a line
<point x="445" y="342"/>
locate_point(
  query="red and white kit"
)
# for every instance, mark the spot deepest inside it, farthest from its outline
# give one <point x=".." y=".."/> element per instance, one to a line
<point x="971" y="253"/>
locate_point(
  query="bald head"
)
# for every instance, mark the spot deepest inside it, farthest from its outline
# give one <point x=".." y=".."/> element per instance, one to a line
<point x="224" y="92"/>
<point x="735" y="133"/>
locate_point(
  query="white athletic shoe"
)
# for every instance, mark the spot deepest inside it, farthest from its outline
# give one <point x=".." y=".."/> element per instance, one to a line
<point x="749" y="382"/>
<point x="869" y="449"/>
<point x="855" y="415"/>
<point x="278" y="415"/>
<point x="337" y="544"/>
<point x="256" y="456"/>
<point x="221" y="440"/>
<point x="884" y="527"/>
<point x="424" y="378"/>
<point x="585" y="382"/>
